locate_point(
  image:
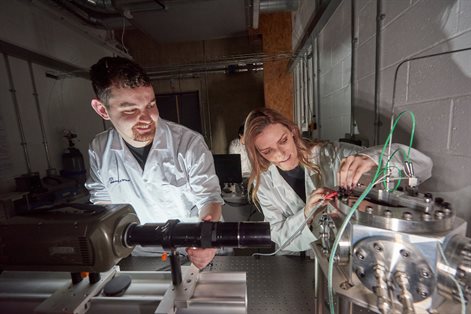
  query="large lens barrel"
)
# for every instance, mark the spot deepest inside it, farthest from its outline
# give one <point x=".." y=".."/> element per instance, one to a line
<point x="204" y="234"/>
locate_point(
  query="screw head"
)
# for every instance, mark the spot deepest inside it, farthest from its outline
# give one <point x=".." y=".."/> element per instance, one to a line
<point x="345" y="285"/>
<point x="439" y="214"/>
<point x="425" y="273"/>
<point x="378" y="247"/>
<point x="422" y="291"/>
<point x="360" y="256"/>
<point x="407" y="216"/>
<point x="426" y="216"/>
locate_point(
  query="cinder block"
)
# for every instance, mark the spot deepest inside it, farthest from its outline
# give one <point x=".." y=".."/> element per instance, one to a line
<point x="393" y="9"/>
<point x="420" y="27"/>
<point x="332" y="80"/>
<point x="437" y="77"/>
<point x="365" y="59"/>
<point x="346" y="71"/>
<point x="366" y="22"/>
<point x="460" y="139"/>
<point x="432" y="125"/>
<point x="464" y="15"/>
<point x="341" y="102"/>
<point x="332" y="129"/>
<point x="326" y="107"/>
<point x="335" y="24"/>
<point x="449" y="173"/>
<point x="461" y="59"/>
<point x="340" y="33"/>
<point x="325" y="53"/>
<point x="387" y="86"/>
<point x="345" y="125"/>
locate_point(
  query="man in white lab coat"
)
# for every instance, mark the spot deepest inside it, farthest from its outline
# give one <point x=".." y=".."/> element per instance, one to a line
<point x="164" y="170"/>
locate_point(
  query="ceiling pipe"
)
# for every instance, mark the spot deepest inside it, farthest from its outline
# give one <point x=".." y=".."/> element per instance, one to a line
<point x="378" y="61"/>
<point x="14" y="99"/>
<point x="255" y="13"/>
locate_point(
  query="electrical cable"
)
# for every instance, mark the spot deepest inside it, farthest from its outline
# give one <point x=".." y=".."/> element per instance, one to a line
<point x="122" y="36"/>
<point x="337" y="240"/>
<point x="394" y="179"/>
<point x="359" y="200"/>
<point x="391" y="132"/>
<point x="296" y="233"/>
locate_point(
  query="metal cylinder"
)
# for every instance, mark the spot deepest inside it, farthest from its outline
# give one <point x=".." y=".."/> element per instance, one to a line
<point x="381" y="289"/>
<point x="405" y="296"/>
<point x="40" y="118"/>
<point x="18" y="114"/>
<point x="458" y="260"/>
<point x="204" y="234"/>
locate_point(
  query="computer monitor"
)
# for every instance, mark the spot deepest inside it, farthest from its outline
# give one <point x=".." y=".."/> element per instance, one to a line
<point x="228" y="168"/>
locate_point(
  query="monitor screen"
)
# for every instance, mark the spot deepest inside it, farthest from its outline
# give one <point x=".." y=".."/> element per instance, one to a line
<point x="228" y="168"/>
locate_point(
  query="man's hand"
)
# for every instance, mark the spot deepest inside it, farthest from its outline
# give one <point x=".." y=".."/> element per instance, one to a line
<point x="352" y="168"/>
<point x="201" y="257"/>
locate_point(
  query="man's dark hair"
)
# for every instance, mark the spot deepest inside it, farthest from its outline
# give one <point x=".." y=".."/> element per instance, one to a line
<point x="118" y="72"/>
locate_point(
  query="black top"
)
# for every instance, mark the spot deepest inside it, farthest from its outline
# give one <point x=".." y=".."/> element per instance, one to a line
<point x="295" y="179"/>
<point x="140" y="153"/>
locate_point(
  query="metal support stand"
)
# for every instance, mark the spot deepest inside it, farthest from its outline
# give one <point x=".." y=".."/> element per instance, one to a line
<point x="319" y="288"/>
<point x="175" y="268"/>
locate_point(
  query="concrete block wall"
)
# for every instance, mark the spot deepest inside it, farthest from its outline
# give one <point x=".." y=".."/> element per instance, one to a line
<point x="301" y="20"/>
<point x="335" y="65"/>
<point x="65" y="103"/>
<point x="437" y="90"/>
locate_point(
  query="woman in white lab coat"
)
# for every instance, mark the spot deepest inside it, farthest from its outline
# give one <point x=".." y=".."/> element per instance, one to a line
<point x="290" y="174"/>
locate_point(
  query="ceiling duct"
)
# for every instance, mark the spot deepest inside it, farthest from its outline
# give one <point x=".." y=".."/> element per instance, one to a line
<point x="271" y="6"/>
<point x="109" y="13"/>
<point x="101" y="6"/>
<point x="89" y="13"/>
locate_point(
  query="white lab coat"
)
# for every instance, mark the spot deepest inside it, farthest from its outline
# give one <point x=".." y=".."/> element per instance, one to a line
<point x="178" y="178"/>
<point x="236" y="147"/>
<point x="284" y="209"/>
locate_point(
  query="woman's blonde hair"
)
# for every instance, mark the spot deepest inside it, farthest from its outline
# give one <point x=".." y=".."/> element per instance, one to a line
<point x="256" y="122"/>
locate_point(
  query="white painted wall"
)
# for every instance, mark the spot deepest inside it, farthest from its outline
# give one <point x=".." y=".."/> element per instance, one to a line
<point x="65" y="103"/>
<point x="437" y="90"/>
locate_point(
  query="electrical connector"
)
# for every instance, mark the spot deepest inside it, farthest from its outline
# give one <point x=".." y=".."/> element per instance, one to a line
<point x="413" y="182"/>
<point x="409" y="169"/>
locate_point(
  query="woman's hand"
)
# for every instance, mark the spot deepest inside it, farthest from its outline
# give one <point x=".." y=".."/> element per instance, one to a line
<point x="352" y="168"/>
<point x="314" y="198"/>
